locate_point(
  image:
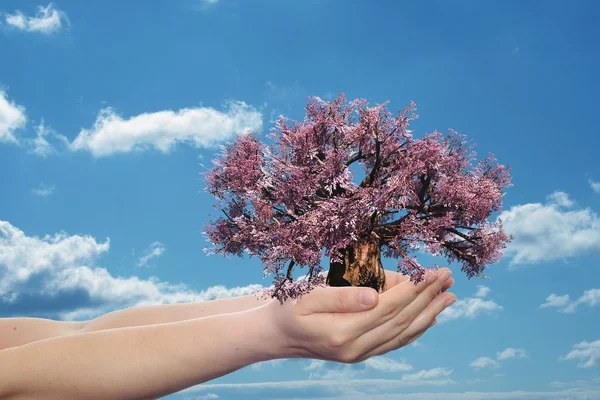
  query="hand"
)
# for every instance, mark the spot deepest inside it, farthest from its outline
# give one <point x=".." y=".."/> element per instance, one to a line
<point x="331" y="323"/>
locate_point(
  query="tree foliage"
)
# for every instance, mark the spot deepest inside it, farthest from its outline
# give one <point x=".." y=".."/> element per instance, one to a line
<point x="294" y="200"/>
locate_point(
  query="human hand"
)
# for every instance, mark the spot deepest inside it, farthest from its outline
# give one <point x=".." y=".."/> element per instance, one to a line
<point x="331" y="323"/>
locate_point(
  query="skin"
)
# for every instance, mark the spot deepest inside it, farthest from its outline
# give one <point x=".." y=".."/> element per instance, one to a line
<point x="143" y="361"/>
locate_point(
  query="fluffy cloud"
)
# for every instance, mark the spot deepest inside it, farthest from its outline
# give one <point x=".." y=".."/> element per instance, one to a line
<point x="511" y="353"/>
<point x="556" y="301"/>
<point x="470" y="307"/>
<point x="326" y="370"/>
<point x="594" y="185"/>
<point x="588" y="354"/>
<point x="435" y="376"/>
<point x="54" y="277"/>
<point x="43" y="190"/>
<point x="589" y="297"/>
<point x="482" y="291"/>
<point x="484" y="362"/>
<point x="320" y="369"/>
<point x="561" y="199"/>
<point x="40" y="146"/>
<point x="487" y="362"/>
<point x="271" y="363"/>
<point x="155" y="250"/>
<point x="12" y="117"/>
<point x="379" y="363"/>
<point x="46" y="20"/>
<point x="162" y="130"/>
<point x="547" y="232"/>
<point x="384" y="364"/>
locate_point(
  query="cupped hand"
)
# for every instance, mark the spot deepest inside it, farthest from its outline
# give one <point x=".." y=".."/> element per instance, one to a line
<point x="331" y="323"/>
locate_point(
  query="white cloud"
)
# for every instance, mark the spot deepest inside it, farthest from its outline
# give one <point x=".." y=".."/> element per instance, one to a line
<point x="270" y="363"/>
<point x="385" y="364"/>
<point x="593" y="383"/>
<point x="314" y="365"/>
<point x="511" y="353"/>
<point x="372" y="389"/>
<point x="162" y="130"/>
<point x="487" y="362"/>
<point x="12" y="117"/>
<point x="594" y="185"/>
<point x="378" y="363"/>
<point x="326" y="370"/>
<point x="590" y="297"/>
<point x="43" y="190"/>
<point x="561" y="199"/>
<point x="482" y="291"/>
<point x="57" y="275"/>
<point x="587" y="352"/>
<point x="470" y="307"/>
<point x="556" y="301"/>
<point x="549" y="232"/>
<point x="47" y="20"/>
<point x="431" y="375"/>
<point x="484" y="362"/>
<point x="40" y="146"/>
<point x="155" y="250"/>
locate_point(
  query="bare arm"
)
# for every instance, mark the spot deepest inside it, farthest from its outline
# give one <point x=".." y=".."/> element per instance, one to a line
<point x="163" y="313"/>
<point x="157" y="360"/>
<point x="19" y="331"/>
<point x="138" y="362"/>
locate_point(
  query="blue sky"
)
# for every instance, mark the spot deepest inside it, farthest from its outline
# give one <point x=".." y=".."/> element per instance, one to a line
<point x="108" y="110"/>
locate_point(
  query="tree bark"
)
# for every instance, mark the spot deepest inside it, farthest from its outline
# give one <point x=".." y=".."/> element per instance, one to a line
<point x="361" y="266"/>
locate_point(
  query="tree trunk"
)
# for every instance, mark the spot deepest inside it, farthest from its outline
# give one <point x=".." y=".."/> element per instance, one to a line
<point x="361" y="267"/>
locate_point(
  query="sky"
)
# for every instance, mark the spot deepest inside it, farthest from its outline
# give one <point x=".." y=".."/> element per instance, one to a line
<point x="111" y="111"/>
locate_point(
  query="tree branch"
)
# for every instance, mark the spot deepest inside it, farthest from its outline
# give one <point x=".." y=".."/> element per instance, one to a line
<point x="462" y="235"/>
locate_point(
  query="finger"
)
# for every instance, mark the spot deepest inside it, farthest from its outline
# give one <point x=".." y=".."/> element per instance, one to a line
<point x="415" y="308"/>
<point x="405" y="316"/>
<point x="347" y="299"/>
<point x="389" y="305"/>
<point x="449" y="283"/>
<point x="393" y="278"/>
<point x="428" y="316"/>
<point x="412" y="339"/>
<point x="418" y="327"/>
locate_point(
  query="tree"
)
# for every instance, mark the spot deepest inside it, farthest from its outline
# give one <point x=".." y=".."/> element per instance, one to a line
<point x="294" y="201"/>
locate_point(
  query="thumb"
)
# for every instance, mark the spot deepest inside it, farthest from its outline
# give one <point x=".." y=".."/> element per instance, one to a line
<point x="344" y="299"/>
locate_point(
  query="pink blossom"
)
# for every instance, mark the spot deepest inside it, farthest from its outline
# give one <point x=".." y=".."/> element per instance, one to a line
<point x="295" y="200"/>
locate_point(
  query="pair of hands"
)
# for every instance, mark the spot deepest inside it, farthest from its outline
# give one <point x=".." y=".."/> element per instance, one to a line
<point x="331" y="323"/>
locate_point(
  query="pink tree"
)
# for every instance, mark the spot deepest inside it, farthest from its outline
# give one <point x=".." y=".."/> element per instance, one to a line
<point x="294" y="201"/>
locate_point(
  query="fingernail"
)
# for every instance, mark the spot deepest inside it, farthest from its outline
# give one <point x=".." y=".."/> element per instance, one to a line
<point x="445" y="276"/>
<point x="367" y="298"/>
<point x="451" y="301"/>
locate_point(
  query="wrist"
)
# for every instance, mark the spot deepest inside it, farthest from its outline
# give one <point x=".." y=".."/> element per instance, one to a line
<point x="281" y="343"/>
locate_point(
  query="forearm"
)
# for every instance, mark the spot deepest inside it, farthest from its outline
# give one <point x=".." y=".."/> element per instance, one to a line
<point x="139" y="362"/>
<point x="163" y="313"/>
<point x="22" y="330"/>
